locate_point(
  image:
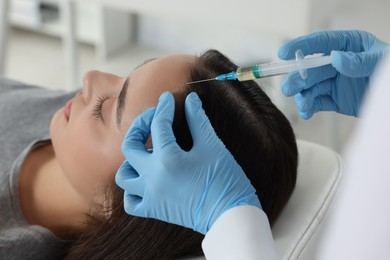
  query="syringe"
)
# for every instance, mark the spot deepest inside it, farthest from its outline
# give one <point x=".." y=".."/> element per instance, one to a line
<point x="257" y="71"/>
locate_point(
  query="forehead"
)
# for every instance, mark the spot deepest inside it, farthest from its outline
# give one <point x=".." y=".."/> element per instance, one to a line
<point x="162" y="74"/>
<point x="174" y="67"/>
<point x="149" y="81"/>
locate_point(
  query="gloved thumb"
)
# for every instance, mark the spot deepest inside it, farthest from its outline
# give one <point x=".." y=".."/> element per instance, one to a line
<point x="162" y="133"/>
<point x="354" y="64"/>
<point x="198" y="122"/>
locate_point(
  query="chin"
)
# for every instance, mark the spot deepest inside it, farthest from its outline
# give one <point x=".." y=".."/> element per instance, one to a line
<point x="56" y="124"/>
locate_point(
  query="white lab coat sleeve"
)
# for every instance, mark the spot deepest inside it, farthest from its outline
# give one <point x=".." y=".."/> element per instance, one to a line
<point x="359" y="224"/>
<point x="242" y="232"/>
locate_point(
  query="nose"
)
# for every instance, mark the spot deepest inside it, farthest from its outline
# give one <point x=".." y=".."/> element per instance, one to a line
<point x="88" y="83"/>
<point x="96" y="83"/>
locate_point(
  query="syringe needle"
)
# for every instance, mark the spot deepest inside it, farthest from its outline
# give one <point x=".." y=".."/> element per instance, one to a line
<point x="199" y="81"/>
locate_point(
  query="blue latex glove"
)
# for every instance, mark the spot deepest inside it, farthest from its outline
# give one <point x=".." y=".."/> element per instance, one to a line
<point x="191" y="189"/>
<point x="338" y="87"/>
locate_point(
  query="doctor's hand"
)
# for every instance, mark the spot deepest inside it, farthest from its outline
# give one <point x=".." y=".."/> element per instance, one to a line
<point x="191" y="189"/>
<point x="338" y="87"/>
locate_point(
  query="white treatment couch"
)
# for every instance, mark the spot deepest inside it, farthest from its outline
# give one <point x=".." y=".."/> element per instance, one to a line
<point x="299" y="228"/>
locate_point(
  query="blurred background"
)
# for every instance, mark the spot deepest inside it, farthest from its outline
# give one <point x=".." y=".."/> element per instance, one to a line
<point x="52" y="43"/>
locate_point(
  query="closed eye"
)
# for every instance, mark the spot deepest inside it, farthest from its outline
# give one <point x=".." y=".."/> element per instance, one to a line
<point x="97" y="109"/>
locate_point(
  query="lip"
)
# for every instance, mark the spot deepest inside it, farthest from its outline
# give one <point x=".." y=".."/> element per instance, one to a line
<point x="67" y="109"/>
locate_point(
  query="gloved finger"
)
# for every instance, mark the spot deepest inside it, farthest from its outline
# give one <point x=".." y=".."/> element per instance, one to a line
<point x="124" y="173"/>
<point x="305" y="99"/>
<point x="306" y="115"/>
<point x="129" y="180"/>
<point x="294" y="83"/>
<point x="320" y="103"/>
<point x="355" y="65"/>
<point x="303" y="103"/>
<point x="198" y="122"/>
<point x="314" y="108"/>
<point x="317" y="75"/>
<point x="317" y="42"/>
<point x="162" y="132"/>
<point x="133" y="145"/>
<point x="132" y="205"/>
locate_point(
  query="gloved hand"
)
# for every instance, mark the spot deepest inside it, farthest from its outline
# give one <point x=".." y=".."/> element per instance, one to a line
<point x="338" y="87"/>
<point x="191" y="189"/>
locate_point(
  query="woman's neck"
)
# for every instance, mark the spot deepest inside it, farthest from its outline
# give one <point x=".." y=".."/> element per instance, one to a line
<point x="46" y="197"/>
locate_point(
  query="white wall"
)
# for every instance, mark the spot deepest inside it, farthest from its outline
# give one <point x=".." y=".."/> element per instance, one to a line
<point x="372" y="16"/>
<point x="242" y="45"/>
<point x="253" y="43"/>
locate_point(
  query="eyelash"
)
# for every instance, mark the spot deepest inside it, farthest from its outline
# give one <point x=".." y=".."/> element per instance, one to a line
<point x="97" y="109"/>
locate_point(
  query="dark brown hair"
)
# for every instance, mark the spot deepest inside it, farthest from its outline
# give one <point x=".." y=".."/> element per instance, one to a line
<point x="256" y="133"/>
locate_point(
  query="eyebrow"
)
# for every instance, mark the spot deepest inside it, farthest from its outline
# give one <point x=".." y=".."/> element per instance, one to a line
<point x="122" y="96"/>
<point x="121" y="103"/>
<point x="143" y="63"/>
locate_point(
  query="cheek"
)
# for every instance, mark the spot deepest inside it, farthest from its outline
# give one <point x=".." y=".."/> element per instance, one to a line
<point x="88" y="156"/>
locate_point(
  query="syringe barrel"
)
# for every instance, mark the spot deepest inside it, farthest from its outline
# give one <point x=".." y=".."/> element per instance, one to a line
<point x="248" y="73"/>
<point x="284" y="67"/>
<point x="265" y="70"/>
<point x="273" y="68"/>
<point x="279" y="68"/>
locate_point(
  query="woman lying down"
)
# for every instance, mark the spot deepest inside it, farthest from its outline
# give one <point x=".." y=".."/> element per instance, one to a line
<point x="59" y="153"/>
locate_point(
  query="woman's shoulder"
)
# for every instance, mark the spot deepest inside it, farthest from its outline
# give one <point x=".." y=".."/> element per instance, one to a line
<point x="16" y="92"/>
<point x="30" y="242"/>
<point x="9" y="85"/>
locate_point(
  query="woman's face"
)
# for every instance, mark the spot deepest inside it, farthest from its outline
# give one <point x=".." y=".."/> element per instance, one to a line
<point x="87" y="133"/>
